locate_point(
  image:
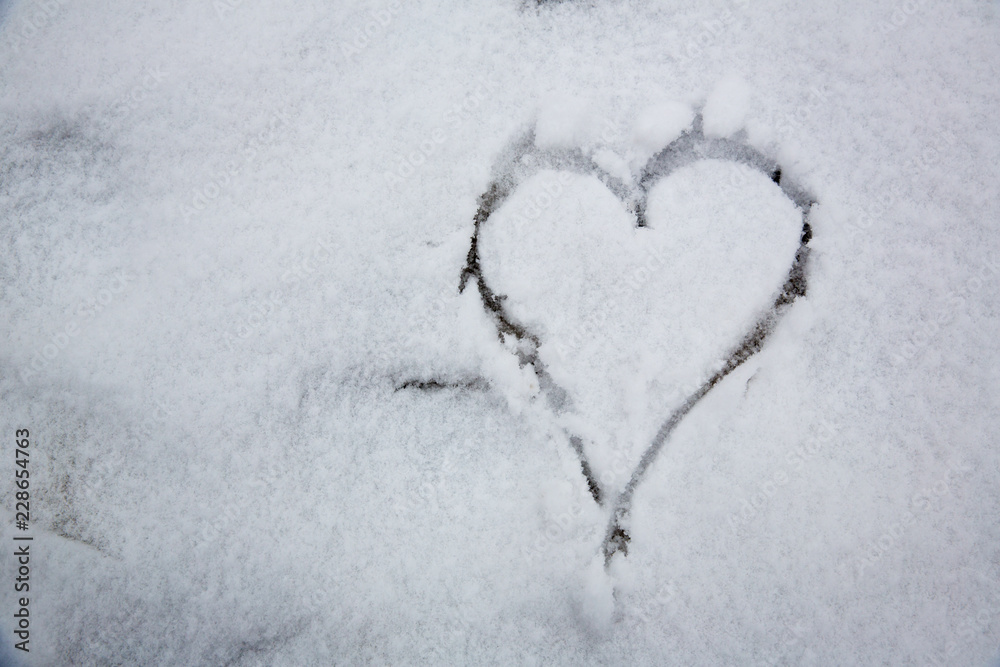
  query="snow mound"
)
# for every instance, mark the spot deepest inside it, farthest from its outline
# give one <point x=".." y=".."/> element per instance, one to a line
<point x="658" y="125"/>
<point x="726" y="107"/>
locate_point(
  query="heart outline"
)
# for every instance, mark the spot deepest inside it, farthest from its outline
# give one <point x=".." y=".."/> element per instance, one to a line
<point x="523" y="159"/>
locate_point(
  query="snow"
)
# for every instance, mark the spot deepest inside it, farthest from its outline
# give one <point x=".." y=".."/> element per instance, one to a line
<point x="629" y="317"/>
<point x="268" y="429"/>
<point x="565" y="123"/>
<point x="658" y="125"/>
<point x="726" y="107"/>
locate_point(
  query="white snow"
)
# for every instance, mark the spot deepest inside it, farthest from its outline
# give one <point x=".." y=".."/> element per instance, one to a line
<point x="726" y="107"/>
<point x="230" y="233"/>
<point x="657" y="125"/>
<point x="565" y="122"/>
<point x="630" y="318"/>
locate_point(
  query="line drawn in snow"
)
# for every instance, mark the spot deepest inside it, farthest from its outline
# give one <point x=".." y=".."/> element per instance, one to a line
<point x="523" y="160"/>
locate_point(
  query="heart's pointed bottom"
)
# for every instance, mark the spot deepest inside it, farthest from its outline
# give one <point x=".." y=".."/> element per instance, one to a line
<point x="617" y="541"/>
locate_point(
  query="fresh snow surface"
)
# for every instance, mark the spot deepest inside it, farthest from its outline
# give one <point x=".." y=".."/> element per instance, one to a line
<point x="614" y="304"/>
<point x="726" y="107"/>
<point x="659" y="124"/>
<point x="268" y="429"/>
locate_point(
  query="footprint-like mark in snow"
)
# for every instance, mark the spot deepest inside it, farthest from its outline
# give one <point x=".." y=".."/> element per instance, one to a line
<point x="618" y="290"/>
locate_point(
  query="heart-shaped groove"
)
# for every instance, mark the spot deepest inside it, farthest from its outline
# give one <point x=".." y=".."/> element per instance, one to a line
<point x="522" y="160"/>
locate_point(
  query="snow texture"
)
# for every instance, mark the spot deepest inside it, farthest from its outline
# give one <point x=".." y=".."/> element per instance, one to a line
<point x="577" y="332"/>
<point x="726" y="107"/>
<point x="614" y="303"/>
<point x="660" y="124"/>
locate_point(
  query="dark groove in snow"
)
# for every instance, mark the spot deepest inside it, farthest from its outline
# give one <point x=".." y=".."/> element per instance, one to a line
<point x="588" y="474"/>
<point x="438" y="385"/>
<point x="522" y="160"/>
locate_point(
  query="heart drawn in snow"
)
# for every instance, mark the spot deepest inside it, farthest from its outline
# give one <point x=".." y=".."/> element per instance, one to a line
<point x="631" y="300"/>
